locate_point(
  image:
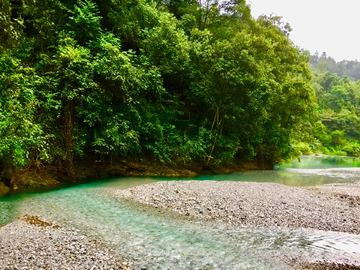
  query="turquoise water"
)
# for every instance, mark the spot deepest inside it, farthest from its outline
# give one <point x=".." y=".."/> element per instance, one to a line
<point x="311" y="170"/>
<point x="154" y="239"/>
<point x="323" y="162"/>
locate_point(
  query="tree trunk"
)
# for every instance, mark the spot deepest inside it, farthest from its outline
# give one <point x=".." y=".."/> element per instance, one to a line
<point x="216" y="123"/>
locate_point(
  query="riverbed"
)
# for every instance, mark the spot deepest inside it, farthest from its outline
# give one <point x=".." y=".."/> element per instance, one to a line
<point x="312" y="221"/>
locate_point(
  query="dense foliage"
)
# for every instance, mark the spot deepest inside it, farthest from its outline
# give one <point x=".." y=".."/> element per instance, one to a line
<point x="175" y="81"/>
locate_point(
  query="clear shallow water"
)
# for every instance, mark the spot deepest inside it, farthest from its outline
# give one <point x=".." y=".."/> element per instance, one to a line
<point x="310" y="171"/>
<point x="154" y="240"/>
<point x="323" y="162"/>
<point x="161" y="240"/>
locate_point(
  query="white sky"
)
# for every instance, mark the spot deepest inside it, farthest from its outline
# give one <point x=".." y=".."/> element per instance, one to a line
<point x="326" y="26"/>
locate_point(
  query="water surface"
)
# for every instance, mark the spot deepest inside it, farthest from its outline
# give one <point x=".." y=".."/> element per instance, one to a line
<point x="309" y="171"/>
<point x="154" y="239"/>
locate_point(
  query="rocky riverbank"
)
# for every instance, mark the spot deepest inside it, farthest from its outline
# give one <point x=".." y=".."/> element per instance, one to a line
<point x="31" y="243"/>
<point x="54" y="177"/>
<point x="3" y="189"/>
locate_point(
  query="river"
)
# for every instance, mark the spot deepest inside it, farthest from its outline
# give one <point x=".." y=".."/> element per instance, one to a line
<point x="154" y="239"/>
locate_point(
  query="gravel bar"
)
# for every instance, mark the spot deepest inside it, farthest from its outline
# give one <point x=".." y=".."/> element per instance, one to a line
<point x="31" y="243"/>
<point x="328" y="207"/>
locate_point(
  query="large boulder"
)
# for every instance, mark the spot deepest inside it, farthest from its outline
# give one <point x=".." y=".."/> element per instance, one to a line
<point x="3" y="189"/>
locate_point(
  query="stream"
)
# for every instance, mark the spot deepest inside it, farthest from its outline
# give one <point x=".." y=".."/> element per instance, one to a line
<point x="150" y="238"/>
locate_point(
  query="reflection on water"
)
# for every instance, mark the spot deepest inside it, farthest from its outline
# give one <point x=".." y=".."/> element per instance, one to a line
<point x="310" y="171"/>
<point x="322" y="162"/>
<point x="161" y="240"/>
<point x="294" y="177"/>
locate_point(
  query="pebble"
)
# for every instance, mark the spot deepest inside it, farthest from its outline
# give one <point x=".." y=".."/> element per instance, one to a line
<point x="26" y="246"/>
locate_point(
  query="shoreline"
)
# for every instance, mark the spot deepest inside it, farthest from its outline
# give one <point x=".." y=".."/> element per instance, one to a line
<point x="85" y="171"/>
<point x="247" y="204"/>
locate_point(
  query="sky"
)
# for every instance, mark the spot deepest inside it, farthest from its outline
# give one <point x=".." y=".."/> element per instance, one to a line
<point x="318" y="25"/>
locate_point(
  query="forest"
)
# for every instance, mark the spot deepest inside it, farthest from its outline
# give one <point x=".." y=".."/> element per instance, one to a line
<point x="334" y="125"/>
<point x="175" y="82"/>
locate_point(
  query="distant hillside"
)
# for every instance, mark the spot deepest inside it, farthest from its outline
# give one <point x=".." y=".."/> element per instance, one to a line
<point x="351" y="69"/>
